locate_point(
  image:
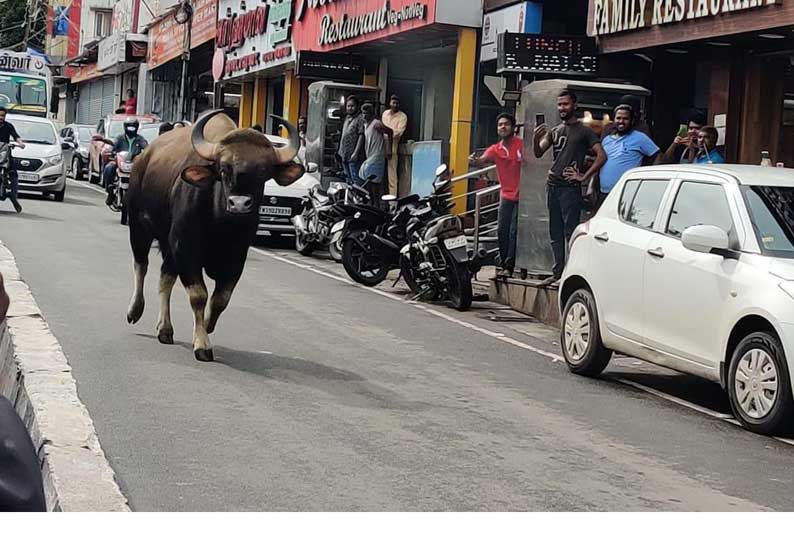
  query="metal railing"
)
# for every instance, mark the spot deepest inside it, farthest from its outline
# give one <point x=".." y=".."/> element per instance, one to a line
<point x="484" y="229"/>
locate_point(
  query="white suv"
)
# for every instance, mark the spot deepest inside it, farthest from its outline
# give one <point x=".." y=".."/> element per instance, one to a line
<point x="692" y="268"/>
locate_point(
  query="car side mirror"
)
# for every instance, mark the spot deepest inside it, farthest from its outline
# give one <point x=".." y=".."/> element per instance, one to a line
<point x="441" y="170"/>
<point x="312" y="167"/>
<point x="67" y="145"/>
<point x="706" y="239"/>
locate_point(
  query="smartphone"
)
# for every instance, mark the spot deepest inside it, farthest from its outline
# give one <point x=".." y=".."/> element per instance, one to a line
<point x="540" y="119"/>
<point x="683" y="130"/>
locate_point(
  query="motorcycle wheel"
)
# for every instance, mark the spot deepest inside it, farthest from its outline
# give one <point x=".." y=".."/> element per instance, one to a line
<point x="363" y="267"/>
<point x="458" y="286"/>
<point x="408" y="275"/>
<point x="335" y="250"/>
<point x="303" y="247"/>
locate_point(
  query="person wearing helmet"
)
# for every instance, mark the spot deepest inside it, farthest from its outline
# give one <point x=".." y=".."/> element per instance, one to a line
<point x="129" y="141"/>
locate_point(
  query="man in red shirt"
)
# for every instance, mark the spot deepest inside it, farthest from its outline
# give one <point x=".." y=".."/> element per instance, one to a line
<point x="131" y="105"/>
<point x="507" y="156"/>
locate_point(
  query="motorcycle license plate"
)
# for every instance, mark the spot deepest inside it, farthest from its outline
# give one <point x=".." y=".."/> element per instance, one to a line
<point x="277" y="211"/>
<point x="339" y="226"/>
<point x="455" y="242"/>
<point x="30" y="177"/>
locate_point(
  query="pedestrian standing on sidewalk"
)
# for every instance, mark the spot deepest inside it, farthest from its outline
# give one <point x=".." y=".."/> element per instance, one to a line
<point x="570" y="142"/>
<point x="7" y="133"/>
<point x="626" y="148"/>
<point x="683" y="149"/>
<point x="397" y="120"/>
<point x="377" y="137"/>
<point x="507" y="156"/>
<point x="351" y="145"/>
<point x="131" y="104"/>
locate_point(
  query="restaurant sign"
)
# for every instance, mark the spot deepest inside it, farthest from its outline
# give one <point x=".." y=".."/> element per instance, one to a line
<point x="325" y="25"/>
<point x="615" y="16"/>
<point x="251" y="40"/>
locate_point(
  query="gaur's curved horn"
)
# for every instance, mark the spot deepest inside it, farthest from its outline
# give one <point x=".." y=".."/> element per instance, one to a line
<point x="204" y="148"/>
<point x="288" y="153"/>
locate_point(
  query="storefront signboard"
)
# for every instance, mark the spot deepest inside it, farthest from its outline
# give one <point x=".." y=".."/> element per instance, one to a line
<point x="112" y="51"/>
<point x="615" y="16"/>
<point x="326" y="25"/>
<point x="85" y="72"/>
<point x="252" y="39"/>
<point x="526" y="18"/>
<point x="537" y="53"/>
<point x="167" y="37"/>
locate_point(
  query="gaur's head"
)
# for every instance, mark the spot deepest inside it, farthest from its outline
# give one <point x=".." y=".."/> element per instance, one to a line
<point x="242" y="161"/>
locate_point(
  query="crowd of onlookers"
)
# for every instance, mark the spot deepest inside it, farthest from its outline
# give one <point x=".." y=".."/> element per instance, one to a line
<point x="583" y="156"/>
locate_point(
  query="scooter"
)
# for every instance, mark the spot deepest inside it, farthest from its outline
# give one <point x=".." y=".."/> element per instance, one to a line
<point x="123" y="172"/>
<point x="5" y="169"/>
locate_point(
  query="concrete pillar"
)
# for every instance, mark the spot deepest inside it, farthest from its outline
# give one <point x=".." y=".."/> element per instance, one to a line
<point x="246" y="105"/>
<point x="462" y="104"/>
<point x="258" y="114"/>
<point x="292" y="99"/>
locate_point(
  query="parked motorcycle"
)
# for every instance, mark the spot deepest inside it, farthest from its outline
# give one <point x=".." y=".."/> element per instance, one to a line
<point x="373" y="238"/>
<point x="322" y="212"/>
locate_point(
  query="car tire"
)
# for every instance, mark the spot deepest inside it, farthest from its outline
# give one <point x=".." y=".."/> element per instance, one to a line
<point x="760" y="359"/>
<point x="580" y="336"/>
<point x="77" y="169"/>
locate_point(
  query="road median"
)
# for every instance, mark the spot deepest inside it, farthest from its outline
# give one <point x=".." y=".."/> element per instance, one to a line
<point x="36" y="377"/>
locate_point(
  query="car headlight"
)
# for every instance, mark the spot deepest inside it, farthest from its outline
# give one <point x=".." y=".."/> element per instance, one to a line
<point x="788" y="287"/>
<point x="55" y="160"/>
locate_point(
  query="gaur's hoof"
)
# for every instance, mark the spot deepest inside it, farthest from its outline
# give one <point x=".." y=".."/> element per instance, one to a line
<point x="135" y="313"/>
<point x="165" y="337"/>
<point x="204" y="354"/>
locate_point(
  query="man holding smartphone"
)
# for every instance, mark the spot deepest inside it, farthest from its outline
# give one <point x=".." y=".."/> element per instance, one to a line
<point x="507" y="156"/>
<point x="570" y="142"/>
<point x="684" y="148"/>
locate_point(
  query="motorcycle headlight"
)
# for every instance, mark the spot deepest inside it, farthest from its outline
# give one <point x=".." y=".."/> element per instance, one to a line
<point x="55" y="160"/>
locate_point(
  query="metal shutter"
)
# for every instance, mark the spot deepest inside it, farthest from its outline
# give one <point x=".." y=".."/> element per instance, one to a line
<point x="90" y="102"/>
<point x="109" y="103"/>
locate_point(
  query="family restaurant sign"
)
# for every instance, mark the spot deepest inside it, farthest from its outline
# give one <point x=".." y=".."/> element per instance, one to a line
<point x="615" y="16"/>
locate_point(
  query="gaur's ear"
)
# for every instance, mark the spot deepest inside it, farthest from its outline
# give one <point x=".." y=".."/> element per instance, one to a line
<point x="287" y="174"/>
<point x="198" y="176"/>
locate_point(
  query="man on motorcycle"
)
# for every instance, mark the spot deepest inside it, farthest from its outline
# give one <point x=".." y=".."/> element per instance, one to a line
<point x="129" y="141"/>
<point x="7" y="131"/>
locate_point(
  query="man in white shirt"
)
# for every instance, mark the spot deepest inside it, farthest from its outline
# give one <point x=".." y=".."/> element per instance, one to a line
<point x="397" y="120"/>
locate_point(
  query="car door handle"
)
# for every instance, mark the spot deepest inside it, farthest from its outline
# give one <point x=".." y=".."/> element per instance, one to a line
<point x="656" y="252"/>
<point x="602" y="237"/>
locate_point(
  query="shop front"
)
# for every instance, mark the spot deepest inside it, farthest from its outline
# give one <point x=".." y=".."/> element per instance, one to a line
<point x="179" y="64"/>
<point x="254" y="61"/>
<point x="730" y="59"/>
<point x="423" y="51"/>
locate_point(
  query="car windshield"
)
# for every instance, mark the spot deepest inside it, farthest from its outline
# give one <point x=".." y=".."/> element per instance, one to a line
<point x="35" y="132"/>
<point x="23" y="93"/>
<point x="85" y="133"/>
<point x="772" y="212"/>
<point x="149" y="133"/>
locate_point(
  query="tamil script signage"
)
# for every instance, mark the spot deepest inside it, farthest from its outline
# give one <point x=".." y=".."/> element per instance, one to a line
<point x="167" y="37"/>
<point x="325" y="25"/>
<point x="615" y="16"/>
<point x="253" y="39"/>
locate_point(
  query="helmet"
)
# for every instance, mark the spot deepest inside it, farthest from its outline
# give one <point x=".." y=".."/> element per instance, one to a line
<point x="131" y="123"/>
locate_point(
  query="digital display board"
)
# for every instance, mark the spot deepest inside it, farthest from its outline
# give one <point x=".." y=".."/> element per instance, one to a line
<point x="538" y="53"/>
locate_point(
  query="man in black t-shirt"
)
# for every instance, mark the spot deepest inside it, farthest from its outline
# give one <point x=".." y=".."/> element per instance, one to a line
<point x="570" y="142"/>
<point x="7" y="133"/>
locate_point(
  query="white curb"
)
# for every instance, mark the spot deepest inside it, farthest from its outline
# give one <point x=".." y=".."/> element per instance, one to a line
<point x="36" y="377"/>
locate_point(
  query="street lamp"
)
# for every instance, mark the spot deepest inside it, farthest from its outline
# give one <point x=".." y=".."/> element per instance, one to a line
<point x="184" y="15"/>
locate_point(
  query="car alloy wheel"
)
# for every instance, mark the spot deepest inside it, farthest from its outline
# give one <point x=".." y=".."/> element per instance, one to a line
<point x="756" y="382"/>
<point x="577" y="332"/>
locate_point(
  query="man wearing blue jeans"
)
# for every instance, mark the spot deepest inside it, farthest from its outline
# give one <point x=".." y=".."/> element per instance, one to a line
<point x="570" y="142"/>
<point x="7" y="133"/>
<point x="351" y="146"/>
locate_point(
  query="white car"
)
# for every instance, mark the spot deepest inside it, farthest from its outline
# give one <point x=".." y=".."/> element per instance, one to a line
<point x="281" y="203"/>
<point x="691" y="268"/>
<point x="40" y="166"/>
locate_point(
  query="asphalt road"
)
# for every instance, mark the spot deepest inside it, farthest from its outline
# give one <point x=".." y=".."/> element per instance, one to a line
<point x="326" y="396"/>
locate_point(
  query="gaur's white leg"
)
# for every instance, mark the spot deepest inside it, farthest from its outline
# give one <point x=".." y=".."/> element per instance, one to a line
<point x="165" y="330"/>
